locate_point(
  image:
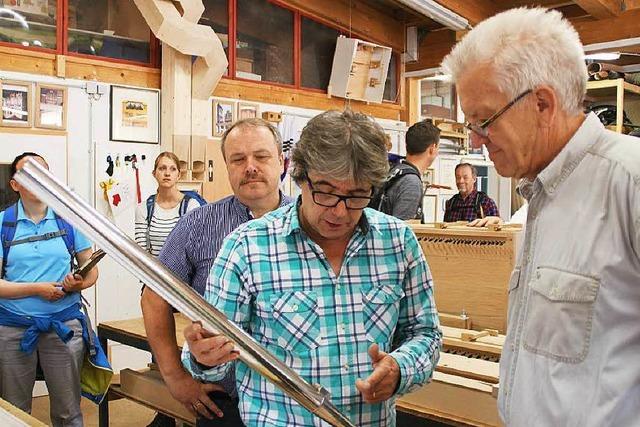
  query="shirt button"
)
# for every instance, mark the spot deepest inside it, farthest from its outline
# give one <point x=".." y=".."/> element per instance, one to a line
<point x="341" y="327"/>
<point x="295" y="307"/>
<point x="348" y="408"/>
<point x="345" y="366"/>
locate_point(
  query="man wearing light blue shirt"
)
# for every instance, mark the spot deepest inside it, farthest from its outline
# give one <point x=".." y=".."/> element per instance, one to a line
<point x="340" y="293"/>
<point x="571" y="353"/>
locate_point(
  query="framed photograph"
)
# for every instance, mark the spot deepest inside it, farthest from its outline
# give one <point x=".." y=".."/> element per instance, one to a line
<point x="135" y="115"/>
<point x="429" y="176"/>
<point x="223" y="116"/>
<point x="430" y="208"/>
<point x="16" y="103"/>
<point x="248" y="111"/>
<point x="51" y="106"/>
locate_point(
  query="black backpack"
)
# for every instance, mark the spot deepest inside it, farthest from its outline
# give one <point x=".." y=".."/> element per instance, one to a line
<point x="380" y="200"/>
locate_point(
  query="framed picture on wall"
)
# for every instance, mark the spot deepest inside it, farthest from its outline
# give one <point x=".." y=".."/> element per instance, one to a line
<point x="430" y="208"/>
<point x="224" y="114"/>
<point x="16" y="103"/>
<point x="51" y="106"/>
<point x="135" y="115"/>
<point x="248" y="111"/>
<point x="429" y="176"/>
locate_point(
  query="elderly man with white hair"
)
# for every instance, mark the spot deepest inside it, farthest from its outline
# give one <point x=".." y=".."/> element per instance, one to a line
<point x="571" y="354"/>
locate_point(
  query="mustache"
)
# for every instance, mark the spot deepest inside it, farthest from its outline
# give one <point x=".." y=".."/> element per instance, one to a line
<point x="252" y="177"/>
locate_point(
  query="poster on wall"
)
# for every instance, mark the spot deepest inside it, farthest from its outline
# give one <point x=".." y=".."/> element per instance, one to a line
<point x="135" y="115"/>
<point x="224" y="115"/>
<point x="16" y="103"/>
<point x="248" y="111"/>
<point x="51" y="107"/>
<point x="34" y="7"/>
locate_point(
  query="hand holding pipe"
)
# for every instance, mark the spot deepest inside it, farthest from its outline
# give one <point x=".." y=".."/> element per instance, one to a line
<point x="39" y="181"/>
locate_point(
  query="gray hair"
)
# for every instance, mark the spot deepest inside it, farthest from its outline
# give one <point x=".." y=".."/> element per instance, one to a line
<point x="343" y="145"/>
<point x="526" y="48"/>
<point x="252" y="123"/>
<point x="474" y="170"/>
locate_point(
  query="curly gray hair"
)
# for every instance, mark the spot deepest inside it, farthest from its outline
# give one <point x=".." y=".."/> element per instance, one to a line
<point x="343" y="145"/>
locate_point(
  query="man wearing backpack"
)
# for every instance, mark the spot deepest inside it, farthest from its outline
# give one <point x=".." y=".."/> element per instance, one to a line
<point x="252" y="150"/>
<point x="402" y="192"/>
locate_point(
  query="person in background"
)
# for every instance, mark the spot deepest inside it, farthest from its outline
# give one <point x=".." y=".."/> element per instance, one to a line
<point x="154" y="221"/>
<point x="156" y="218"/>
<point x="252" y="150"/>
<point x="571" y="350"/>
<point x="338" y="291"/>
<point x="40" y="317"/>
<point x="469" y="204"/>
<point x="401" y="193"/>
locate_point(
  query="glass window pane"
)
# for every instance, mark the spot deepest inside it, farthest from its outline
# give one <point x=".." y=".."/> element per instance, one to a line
<point x="437" y="99"/>
<point x="318" y="47"/>
<point x="111" y="28"/>
<point x="391" y="84"/>
<point x="216" y="16"/>
<point x="264" y="47"/>
<point x="29" y="23"/>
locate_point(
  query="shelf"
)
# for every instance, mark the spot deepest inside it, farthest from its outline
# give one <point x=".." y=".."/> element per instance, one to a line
<point x="609" y="88"/>
<point x="449" y="134"/>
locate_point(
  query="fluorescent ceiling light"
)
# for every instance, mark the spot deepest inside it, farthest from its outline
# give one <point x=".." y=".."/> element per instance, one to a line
<point x="609" y="56"/>
<point x="603" y="56"/>
<point x="439" y="78"/>
<point x="438" y="13"/>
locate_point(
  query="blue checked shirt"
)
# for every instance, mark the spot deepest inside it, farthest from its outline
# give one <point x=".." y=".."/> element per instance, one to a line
<point x="275" y="282"/>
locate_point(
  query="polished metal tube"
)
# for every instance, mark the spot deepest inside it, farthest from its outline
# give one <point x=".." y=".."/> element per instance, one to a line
<point x="154" y="274"/>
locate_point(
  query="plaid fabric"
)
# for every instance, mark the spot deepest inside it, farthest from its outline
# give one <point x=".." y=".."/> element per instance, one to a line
<point x="278" y="285"/>
<point x="459" y="209"/>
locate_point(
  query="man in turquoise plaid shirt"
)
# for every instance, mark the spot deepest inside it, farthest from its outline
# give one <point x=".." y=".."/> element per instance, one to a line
<point x="339" y="292"/>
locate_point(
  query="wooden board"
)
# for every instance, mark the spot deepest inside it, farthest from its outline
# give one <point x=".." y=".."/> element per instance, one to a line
<point x="476" y="369"/>
<point x="452" y="398"/>
<point x="10" y="416"/>
<point x="471" y="270"/>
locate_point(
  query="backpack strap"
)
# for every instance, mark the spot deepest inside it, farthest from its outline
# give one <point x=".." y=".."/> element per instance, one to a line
<point x="68" y="236"/>
<point x="478" y="206"/>
<point x="184" y="204"/>
<point x="9" y="223"/>
<point x="151" y="204"/>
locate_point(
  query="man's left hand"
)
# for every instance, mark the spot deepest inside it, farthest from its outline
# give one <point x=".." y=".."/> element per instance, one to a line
<point x="72" y="283"/>
<point x="383" y="381"/>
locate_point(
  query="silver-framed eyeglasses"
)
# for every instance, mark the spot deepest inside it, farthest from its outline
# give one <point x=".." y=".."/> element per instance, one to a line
<point x="330" y="200"/>
<point x="482" y="128"/>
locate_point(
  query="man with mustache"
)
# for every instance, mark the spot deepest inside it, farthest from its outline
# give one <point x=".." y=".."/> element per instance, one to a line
<point x="252" y="150"/>
<point x="339" y="292"/>
<point x="469" y="204"/>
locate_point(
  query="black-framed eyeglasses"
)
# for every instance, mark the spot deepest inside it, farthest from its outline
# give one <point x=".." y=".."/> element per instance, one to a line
<point x="482" y="129"/>
<point x="330" y="200"/>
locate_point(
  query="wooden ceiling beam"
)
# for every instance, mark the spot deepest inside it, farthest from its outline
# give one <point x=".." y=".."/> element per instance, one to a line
<point x="624" y="26"/>
<point x="601" y="9"/>
<point x="474" y="11"/>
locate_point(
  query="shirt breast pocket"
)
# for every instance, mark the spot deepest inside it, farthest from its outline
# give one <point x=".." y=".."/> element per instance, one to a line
<point x="295" y="321"/>
<point x="381" y="307"/>
<point x="560" y="314"/>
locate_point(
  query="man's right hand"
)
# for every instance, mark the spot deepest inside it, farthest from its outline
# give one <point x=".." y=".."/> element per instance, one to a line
<point x="194" y="395"/>
<point x="51" y="291"/>
<point x="207" y="348"/>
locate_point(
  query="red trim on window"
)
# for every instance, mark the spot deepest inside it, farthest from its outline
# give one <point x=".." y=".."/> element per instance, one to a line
<point x="233" y="8"/>
<point x="109" y="59"/>
<point x="61" y="26"/>
<point x="154" y="48"/>
<point x="297" y="45"/>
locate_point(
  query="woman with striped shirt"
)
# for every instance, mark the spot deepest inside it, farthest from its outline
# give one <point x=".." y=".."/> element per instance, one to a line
<point x="150" y="233"/>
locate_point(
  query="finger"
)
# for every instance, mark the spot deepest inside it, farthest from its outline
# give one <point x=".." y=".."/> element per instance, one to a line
<point x="211" y="405"/>
<point x="201" y="408"/>
<point x="191" y="332"/>
<point x="474" y="223"/>
<point x="378" y="374"/>
<point x="366" y="390"/>
<point x="375" y="354"/>
<point x="209" y="387"/>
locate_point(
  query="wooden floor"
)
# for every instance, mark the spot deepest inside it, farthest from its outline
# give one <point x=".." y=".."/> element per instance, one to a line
<point x="122" y="413"/>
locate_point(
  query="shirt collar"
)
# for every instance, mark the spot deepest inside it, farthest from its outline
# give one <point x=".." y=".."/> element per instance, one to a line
<point x="571" y="154"/>
<point x="21" y="214"/>
<point x="292" y="220"/>
<point x="244" y="211"/>
<point x="470" y="195"/>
